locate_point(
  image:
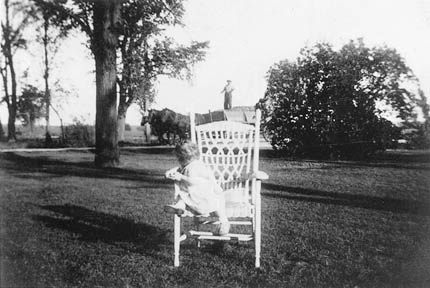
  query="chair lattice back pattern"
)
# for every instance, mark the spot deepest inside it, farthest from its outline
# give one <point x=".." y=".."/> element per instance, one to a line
<point x="227" y="148"/>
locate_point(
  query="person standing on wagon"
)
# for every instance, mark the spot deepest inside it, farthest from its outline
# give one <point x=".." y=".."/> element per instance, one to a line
<point x="228" y="91"/>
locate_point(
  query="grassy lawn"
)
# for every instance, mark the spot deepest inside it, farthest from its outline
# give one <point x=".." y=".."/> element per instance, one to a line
<point x="65" y="223"/>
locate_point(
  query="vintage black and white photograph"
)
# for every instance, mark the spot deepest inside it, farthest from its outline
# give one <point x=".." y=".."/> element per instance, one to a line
<point x="227" y="143"/>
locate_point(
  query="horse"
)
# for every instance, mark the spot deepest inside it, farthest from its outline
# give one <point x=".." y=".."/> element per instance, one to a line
<point x="182" y="126"/>
<point x="161" y="122"/>
<point x="165" y="123"/>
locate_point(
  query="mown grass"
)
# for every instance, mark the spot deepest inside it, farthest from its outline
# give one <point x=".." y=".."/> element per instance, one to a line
<point x="65" y="223"/>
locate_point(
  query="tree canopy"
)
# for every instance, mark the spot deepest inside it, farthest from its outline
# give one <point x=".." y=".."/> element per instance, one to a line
<point x="331" y="102"/>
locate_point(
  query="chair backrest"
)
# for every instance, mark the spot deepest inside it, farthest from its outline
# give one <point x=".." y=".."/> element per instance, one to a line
<point x="231" y="150"/>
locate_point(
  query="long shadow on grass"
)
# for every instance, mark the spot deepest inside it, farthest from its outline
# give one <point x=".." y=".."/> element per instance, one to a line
<point x="423" y="166"/>
<point x="94" y="226"/>
<point x="53" y="167"/>
<point x="421" y="208"/>
<point x="411" y="160"/>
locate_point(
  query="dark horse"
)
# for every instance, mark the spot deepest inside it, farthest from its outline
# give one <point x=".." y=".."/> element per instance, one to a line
<point x="166" y="123"/>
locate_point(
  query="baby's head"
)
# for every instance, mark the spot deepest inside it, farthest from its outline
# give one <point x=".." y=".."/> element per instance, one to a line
<point x="187" y="152"/>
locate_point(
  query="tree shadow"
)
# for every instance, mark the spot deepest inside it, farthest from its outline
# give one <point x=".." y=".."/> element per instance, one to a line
<point x="421" y="208"/>
<point x="94" y="226"/>
<point x="54" y="167"/>
<point x="412" y="160"/>
<point x="424" y="166"/>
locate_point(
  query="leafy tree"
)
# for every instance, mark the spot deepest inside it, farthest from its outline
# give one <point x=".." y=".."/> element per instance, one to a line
<point x="326" y="102"/>
<point x="30" y="105"/>
<point x="145" y="54"/>
<point x="52" y="27"/>
<point x="13" y="24"/>
<point x="101" y="21"/>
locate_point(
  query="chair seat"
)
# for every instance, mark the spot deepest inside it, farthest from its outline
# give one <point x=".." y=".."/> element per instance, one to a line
<point x="203" y="235"/>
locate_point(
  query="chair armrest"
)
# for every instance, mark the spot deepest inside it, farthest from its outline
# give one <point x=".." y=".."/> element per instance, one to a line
<point x="258" y="175"/>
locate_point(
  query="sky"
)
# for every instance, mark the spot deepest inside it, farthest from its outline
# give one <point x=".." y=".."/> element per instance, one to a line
<point x="247" y="37"/>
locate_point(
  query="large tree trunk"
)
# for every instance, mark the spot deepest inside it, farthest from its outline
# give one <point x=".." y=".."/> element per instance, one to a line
<point x="11" y="132"/>
<point x="122" y="112"/>
<point x="106" y="18"/>
<point x="147" y="133"/>
<point x="121" y="127"/>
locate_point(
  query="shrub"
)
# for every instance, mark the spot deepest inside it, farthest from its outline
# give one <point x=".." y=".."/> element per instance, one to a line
<point x="324" y="104"/>
<point x="79" y="135"/>
<point x="127" y="127"/>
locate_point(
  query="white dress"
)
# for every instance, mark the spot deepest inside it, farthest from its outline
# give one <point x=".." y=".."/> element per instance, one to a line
<point x="201" y="192"/>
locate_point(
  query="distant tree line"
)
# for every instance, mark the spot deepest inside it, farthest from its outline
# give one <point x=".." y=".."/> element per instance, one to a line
<point x="331" y="103"/>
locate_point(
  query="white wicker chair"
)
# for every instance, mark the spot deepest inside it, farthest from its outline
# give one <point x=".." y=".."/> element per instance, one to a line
<point x="231" y="150"/>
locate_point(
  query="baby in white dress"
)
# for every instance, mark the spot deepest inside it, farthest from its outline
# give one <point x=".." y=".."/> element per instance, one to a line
<point x="199" y="193"/>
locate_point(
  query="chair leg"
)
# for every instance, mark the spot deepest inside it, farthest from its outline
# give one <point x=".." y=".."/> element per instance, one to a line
<point x="257" y="254"/>
<point x="176" y="240"/>
<point x="258" y="225"/>
<point x="257" y="245"/>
